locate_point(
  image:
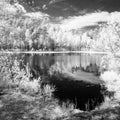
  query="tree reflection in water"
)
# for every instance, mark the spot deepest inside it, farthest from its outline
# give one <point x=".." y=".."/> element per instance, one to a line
<point x="52" y="69"/>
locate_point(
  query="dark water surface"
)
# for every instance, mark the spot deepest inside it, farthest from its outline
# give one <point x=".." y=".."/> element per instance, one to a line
<point x="75" y="76"/>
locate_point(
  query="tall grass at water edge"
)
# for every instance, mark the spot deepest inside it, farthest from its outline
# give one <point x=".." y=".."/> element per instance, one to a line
<point x="23" y="97"/>
<point x="110" y="66"/>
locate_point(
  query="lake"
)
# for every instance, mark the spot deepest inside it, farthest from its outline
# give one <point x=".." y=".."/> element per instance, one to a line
<point x="75" y="76"/>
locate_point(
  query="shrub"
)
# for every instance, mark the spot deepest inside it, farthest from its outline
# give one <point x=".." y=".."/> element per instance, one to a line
<point x="111" y="75"/>
<point x="27" y="96"/>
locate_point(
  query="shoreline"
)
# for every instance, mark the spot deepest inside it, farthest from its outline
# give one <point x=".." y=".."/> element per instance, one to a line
<point x="54" y="52"/>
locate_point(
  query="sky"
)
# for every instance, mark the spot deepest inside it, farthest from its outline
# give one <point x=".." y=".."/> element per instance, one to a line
<point x="75" y="7"/>
<point x="86" y="6"/>
<point x="80" y="13"/>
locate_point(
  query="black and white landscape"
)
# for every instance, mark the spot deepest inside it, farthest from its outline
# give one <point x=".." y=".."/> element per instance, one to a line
<point x="59" y="59"/>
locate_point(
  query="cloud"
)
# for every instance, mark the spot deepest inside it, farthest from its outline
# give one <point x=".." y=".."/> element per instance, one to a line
<point x="89" y="20"/>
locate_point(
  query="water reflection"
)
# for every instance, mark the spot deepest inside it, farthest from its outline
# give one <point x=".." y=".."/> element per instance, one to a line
<point x="70" y="63"/>
<point x="74" y="75"/>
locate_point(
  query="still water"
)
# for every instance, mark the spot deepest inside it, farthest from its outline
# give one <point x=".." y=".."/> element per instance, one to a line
<point x="75" y="76"/>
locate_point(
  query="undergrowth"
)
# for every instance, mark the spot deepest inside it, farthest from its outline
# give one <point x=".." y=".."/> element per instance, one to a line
<point x="110" y="68"/>
<point x="23" y="97"/>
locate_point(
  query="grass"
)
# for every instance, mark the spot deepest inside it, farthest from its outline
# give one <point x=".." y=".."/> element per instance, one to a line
<point x="25" y="98"/>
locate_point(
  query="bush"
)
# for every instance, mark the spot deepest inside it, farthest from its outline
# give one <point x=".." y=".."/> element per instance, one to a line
<point x="26" y="97"/>
<point x="110" y="67"/>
